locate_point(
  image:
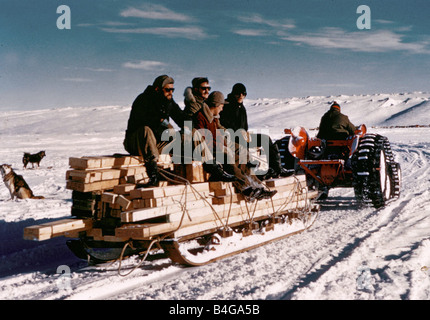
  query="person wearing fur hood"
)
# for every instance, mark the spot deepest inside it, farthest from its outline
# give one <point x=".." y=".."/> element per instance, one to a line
<point x="195" y="96"/>
<point x="195" y="101"/>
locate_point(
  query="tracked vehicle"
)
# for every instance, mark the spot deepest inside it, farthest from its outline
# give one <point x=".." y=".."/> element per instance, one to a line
<point x="363" y="161"/>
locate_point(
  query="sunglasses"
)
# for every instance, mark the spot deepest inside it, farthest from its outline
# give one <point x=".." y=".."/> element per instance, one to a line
<point x="205" y="88"/>
<point x="169" y="89"/>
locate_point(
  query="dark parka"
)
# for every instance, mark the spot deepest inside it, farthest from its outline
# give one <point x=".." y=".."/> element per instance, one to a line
<point x="335" y="126"/>
<point x="234" y="116"/>
<point x="150" y="109"/>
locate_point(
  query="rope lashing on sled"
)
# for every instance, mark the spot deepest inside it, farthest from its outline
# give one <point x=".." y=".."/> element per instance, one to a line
<point x="165" y="174"/>
<point x="180" y="180"/>
<point x="288" y="200"/>
<point x="141" y="261"/>
<point x="297" y="191"/>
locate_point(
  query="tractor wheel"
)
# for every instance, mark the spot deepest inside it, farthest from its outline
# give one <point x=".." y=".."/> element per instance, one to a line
<point x="376" y="176"/>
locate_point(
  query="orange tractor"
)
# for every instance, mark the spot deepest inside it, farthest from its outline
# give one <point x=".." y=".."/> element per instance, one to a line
<point x="363" y="161"/>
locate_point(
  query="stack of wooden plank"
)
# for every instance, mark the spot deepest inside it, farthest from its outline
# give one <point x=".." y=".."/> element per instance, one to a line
<point x="108" y="186"/>
<point x="202" y="206"/>
<point x="63" y="227"/>
<point x="89" y="177"/>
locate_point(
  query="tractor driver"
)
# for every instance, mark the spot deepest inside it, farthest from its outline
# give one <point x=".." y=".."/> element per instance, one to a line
<point x="334" y="125"/>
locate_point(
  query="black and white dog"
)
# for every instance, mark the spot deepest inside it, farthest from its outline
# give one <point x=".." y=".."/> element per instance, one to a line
<point x="33" y="158"/>
<point x="16" y="184"/>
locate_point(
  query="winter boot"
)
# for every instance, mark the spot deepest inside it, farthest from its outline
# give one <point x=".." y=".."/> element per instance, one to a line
<point x="217" y="173"/>
<point x="266" y="194"/>
<point x="152" y="172"/>
<point x="251" y="193"/>
<point x="276" y="165"/>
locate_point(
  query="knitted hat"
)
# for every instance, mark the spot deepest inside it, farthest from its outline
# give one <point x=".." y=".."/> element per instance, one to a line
<point x="215" y="99"/>
<point x="162" y="81"/>
<point x="196" y="82"/>
<point x="335" y="105"/>
<point x="238" y="88"/>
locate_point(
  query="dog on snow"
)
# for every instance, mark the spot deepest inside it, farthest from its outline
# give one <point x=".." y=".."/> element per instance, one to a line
<point x="33" y="158"/>
<point x="16" y="184"/>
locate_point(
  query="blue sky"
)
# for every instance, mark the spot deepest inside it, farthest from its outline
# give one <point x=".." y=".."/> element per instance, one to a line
<point x="278" y="49"/>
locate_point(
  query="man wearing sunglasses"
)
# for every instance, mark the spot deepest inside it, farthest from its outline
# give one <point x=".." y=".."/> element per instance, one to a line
<point x="196" y="100"/>
<point x="196" y="96"/>
<point x="149" y="118"/>
<point x="234" y="117"/>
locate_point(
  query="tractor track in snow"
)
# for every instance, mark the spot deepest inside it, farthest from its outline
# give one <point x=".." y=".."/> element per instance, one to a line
<point x="331" y="254"/>
<point x="389" y="224"/>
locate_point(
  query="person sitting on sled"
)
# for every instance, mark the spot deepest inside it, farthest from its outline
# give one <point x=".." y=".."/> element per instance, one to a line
<point x="207" y="118"/>
<point x="234" y="117"/>
<point x="149" y="118"/>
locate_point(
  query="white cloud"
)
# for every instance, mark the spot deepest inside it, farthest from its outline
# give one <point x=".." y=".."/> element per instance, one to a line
<point x="144" y="65"/>
<point x="250" y="32"/>
<point x="154" y="12"/>
<point x="77" y="80"/>
<point x="100" y="69"/>
<point x="106" y="23"/>
<point x="192" y="33"/>
<point x="360" y="41"/>
<point x="263" y="27"/>
<point x="278" y="24"/>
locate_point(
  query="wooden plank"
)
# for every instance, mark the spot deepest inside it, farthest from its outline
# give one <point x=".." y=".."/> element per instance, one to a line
<point x="284" y="181"/>
<point x="183" y="227"/>
<point x="202" y="219"/>
<point x="195" y="173"/>
<point x="96" y="233"/>
<point x="172" y="206"/>
<point x="143" y="231"/>
<point x="84" y="163"/>
<point x="241" y="208"/>
<point x="137" y="178"/>
<point x="164" y="201"/>
<point x="95" y="186"/>
<point x="133" y="170"/>
<point x="229" y="198"/>
<point x="149" y="213"/>
<point x="113" y="161"/>
<point x="124" y="188"/>
<point x="108" y="197"/>
<point x="217" y="185"/>
<point x="211" y="224"/>
<point x="83" y="175"/>
<point x="166" y="191"/>
<point x="147" y="193"/>
<point x="57" y="228"/>
<point x="283" y="191"/>
<point x="123" y="202"/>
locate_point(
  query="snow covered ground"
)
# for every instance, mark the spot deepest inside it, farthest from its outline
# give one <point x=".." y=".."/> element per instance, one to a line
<point x="349" y="253"/>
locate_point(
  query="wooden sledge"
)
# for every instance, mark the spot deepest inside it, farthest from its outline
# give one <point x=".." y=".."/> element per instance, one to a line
<point x="193" y="220"/>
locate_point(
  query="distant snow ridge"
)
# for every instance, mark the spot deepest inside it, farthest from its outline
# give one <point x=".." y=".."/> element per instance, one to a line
<point x="272" y="115"/>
